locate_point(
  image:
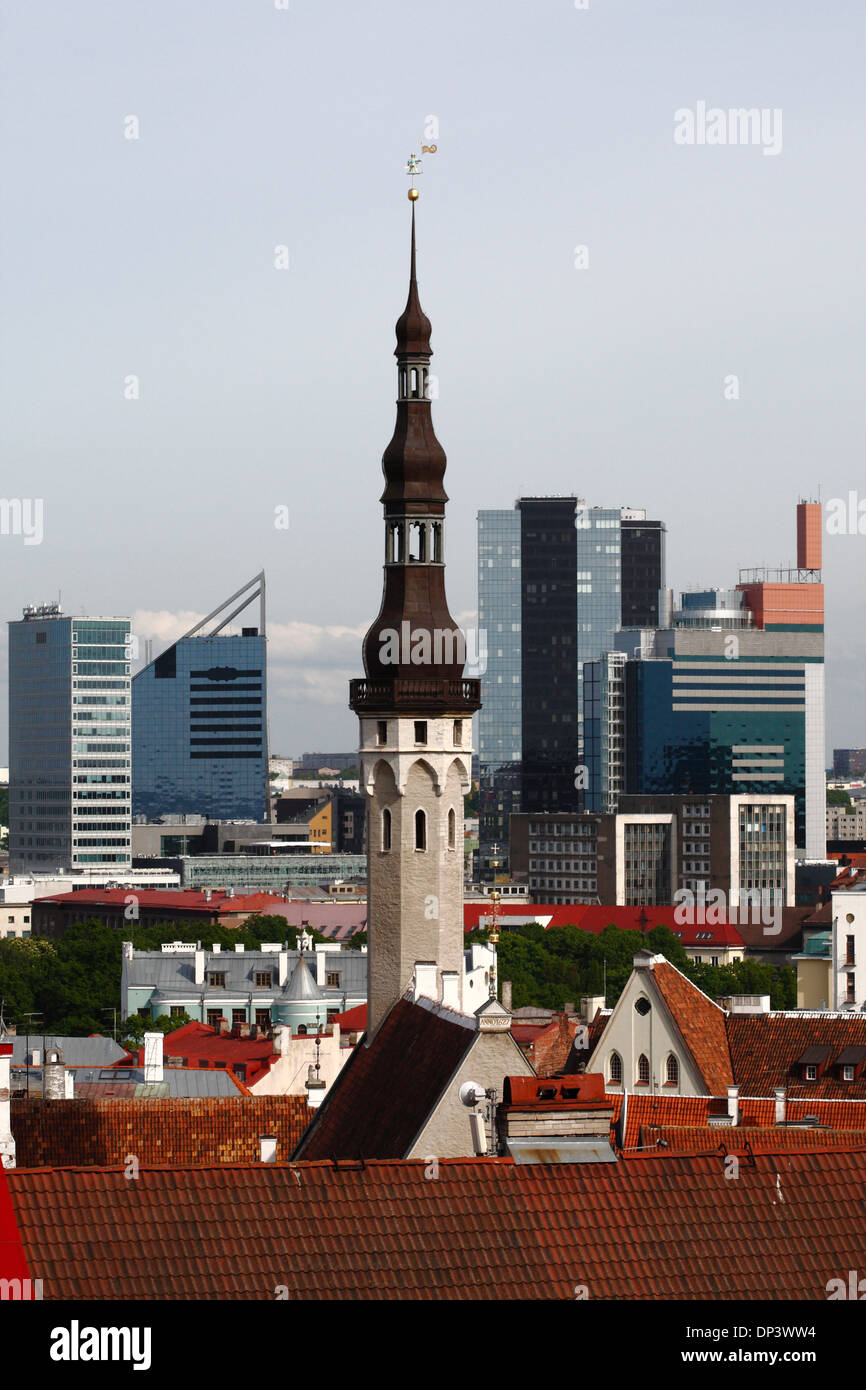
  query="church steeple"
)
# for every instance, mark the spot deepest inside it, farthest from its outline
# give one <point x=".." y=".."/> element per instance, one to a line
<point x="415" y="634"/>
<point x="414" y="705"/>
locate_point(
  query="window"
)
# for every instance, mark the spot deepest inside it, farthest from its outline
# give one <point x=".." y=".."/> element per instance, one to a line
<point x="643" y="1070"/>
<point x="382" y="731"/>
<point x="642" y="1006"/>
<point x="847" y="1073"/>
<point x="811" y="1072"/>
<point x="239" y="1016"/>
<point x="849" y="957"/>
<point x="458" y="732"/>
<point x="332" y="979"/>
<point x="452" y="829"/>
<point x="420" y="730"/>
<point x="214" y="1018"/>
<point x="851" y="996"/>
<point x="216" y="979"/>
<point x="420" y="830"/>
<point x="175" y="1011"/>
<point x="672" y="1070"/>
<point x="616" y="1069"/>
<point x="263" y="1019"/>
<point x="386" y="829"/>
<point x="263" y="979"/>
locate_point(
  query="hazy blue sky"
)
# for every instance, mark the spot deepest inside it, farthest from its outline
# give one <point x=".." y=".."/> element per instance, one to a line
<point x="261" y="387"/>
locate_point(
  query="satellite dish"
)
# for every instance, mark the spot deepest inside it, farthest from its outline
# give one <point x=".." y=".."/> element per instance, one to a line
<point x="471" y="1094"/>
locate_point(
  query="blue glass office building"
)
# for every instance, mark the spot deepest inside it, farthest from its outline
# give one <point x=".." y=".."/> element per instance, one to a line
<point x="199" y="721"/>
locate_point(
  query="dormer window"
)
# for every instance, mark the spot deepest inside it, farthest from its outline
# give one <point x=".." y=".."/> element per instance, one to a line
<point x="216" y="979"/>
<point x="847" y="1073"/>
<point x="811" y="1073"/>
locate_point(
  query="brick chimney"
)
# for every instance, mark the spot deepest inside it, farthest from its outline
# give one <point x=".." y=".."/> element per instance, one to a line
<point x="424" y="980"/>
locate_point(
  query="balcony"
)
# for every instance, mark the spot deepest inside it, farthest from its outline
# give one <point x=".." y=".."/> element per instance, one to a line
<point x="415" y="694"/>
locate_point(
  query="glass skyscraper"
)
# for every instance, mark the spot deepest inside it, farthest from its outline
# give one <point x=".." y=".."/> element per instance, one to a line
<point x="551" y="598"/>
<point x="199" y="742"/>
<point x="69" y="742"/>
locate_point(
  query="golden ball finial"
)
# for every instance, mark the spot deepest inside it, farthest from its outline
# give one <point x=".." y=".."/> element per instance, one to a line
<point x="413" y="195"/>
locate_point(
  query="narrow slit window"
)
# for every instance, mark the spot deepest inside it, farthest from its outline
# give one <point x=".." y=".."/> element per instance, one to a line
<point x="386" y="829"/>
<point x="452" y="829"/>
<point x="420" y="830"/>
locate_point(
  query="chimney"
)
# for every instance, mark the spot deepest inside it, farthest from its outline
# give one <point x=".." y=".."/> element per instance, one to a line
<point x="506" y="995"/>
<point x="451" y="990"/>
<point x="153" y="1058"/>
<point x="779" y="1093"/>
<point x="282" y="1040"/>
<point x="7" y="1143"/>
<point x="267" y="1149"/>
<point x="424" y="982"/>
<point x="283" y="968"/>
<point x="239" y="948"/>
<point x="199" y="967"/>
<point x="53" y="1075"/>
<point x="216" y="948"/>
<point x="733" y="1104"/>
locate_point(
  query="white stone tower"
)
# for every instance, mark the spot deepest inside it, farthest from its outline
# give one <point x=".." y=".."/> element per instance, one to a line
<point x="415" y="708"/>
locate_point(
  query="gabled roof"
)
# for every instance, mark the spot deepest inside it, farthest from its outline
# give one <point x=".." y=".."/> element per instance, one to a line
<point x="385" y="1092"/>
<point x="766" y="1048"/>
<point x="701" y="1024"/>
<point x="654" y="1228"/>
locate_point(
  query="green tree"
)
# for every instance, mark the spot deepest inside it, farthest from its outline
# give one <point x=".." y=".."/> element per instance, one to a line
<point x="837" y="797"/>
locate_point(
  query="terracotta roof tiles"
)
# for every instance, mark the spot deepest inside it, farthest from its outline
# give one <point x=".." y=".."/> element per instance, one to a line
<point x="650" y="1228"/>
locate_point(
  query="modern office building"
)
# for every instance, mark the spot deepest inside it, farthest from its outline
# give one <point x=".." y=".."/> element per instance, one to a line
<point x="849" y="763"/>
<point x="69" y="742"/>
<point x="734" y="700"/>
<point x="556" y="582"/>
<point x="655" y="846"/>
<point x="200" y="721"/>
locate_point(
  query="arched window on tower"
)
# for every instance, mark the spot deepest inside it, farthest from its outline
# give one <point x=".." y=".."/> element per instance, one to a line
<point x="452" y="829"/>
<point x="394" y="553"/>
<point x="417" y="541"/>
<point x="403" y="382"/>
<point x="643" y="1070"/>
<point x="420" y="829"/>
<point x="672" y="1070"/>
<point x="386" y="829"/>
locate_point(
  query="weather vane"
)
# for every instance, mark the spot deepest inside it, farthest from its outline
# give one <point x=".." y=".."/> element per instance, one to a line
<point x="413" y="167"/>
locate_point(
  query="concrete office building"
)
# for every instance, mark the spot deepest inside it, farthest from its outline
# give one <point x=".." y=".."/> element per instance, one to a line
<point x="69" y="742"/>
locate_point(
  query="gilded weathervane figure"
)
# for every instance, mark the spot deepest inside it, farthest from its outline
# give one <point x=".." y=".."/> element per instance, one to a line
<point x="413" y="167"/>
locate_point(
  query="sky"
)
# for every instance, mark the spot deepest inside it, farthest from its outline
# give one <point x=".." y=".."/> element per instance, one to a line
<point x="168" y="385"/>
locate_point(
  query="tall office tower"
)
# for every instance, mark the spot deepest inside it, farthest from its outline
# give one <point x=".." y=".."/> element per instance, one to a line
<point x="642" y="566"/>
<point x="849" y="763"/>
<point x="734" y="700"/>
<point x="69" y="742"/>
<point x="556" y="582"/>
<point x="415" y="708"/>
<point x="199" y="719"/>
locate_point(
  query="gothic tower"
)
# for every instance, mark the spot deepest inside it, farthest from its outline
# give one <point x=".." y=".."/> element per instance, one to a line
<point x="414" y="706"/>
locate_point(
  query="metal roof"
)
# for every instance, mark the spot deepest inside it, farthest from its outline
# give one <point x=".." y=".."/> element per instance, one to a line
<point x="77" y="1052"/>
<point x="172" y="975"/>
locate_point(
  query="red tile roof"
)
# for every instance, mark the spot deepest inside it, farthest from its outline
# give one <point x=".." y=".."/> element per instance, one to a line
<point x="765" y="1048"/>
<point x="385" y="1092"/>
<point x="198" y="1043"/>
<point x="655" y="1228"/>
<point x="353" y="1020"/>
<point x="161" y="1133"/>
<point x="647" y="1113"/>
<point x="595" y="918"/>
<point x="701" y="1023"/>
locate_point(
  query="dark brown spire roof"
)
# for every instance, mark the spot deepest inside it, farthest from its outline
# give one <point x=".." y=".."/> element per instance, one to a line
<point x="413" y="325"/>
